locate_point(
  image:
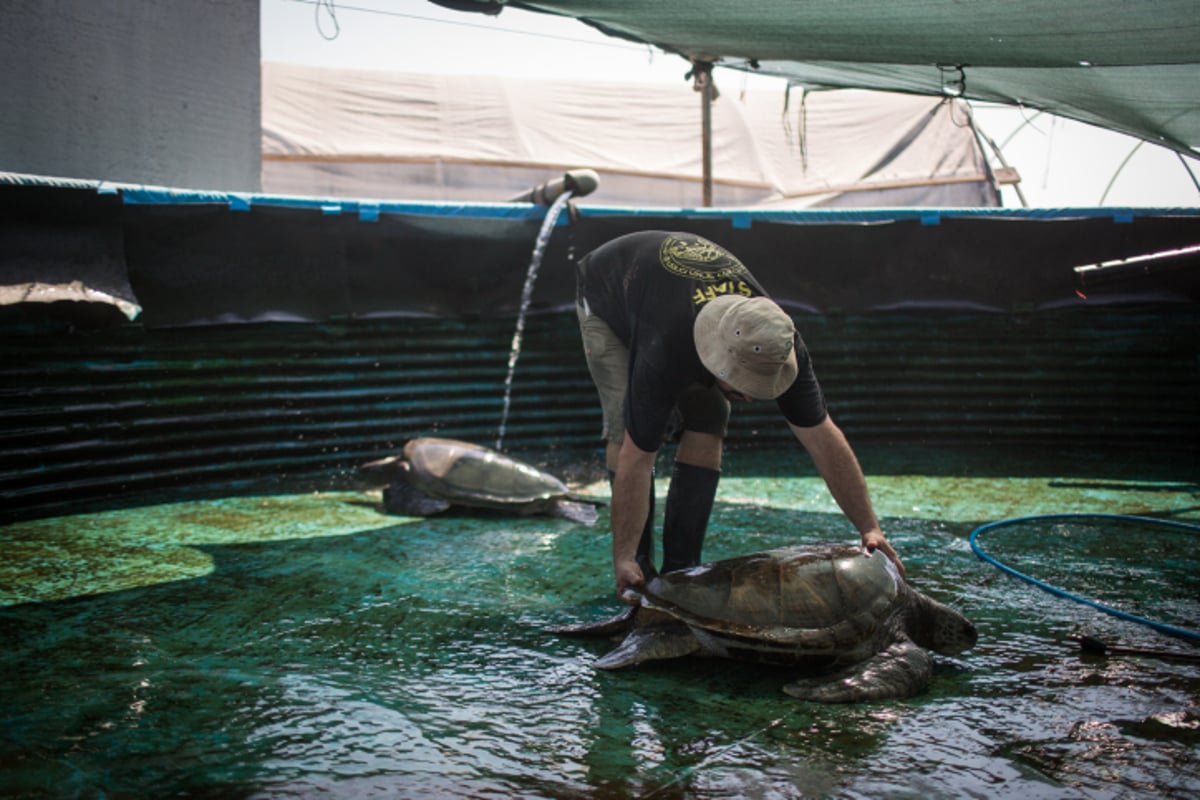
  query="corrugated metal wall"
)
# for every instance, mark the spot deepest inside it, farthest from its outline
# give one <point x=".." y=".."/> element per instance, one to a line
<point x="89" y="415"/>
<point x="127" y="413"/>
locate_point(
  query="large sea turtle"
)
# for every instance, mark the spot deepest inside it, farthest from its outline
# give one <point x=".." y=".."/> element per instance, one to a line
<point x="848" y="622"/>
<point x="432" y="475"/>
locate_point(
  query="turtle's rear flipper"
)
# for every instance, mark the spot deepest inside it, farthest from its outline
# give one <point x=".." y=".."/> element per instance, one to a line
<point x="902" y="670"/>
<point x="575" y="510"/>
<point x="651" y="643"/>
<point x="407" y="500"/>
<point x="612" y="626"/>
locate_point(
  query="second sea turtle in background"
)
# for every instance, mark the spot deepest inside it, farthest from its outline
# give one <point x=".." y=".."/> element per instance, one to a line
<point x="432" y="475"/>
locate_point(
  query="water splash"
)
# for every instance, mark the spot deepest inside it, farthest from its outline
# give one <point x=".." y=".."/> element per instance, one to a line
<point x="539" y="250"/>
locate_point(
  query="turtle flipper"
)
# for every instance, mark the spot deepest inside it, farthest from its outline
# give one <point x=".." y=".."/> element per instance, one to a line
<point x="620" y="624"/>
<point x="902" y="670"/>
<point x="656" y="641"/>
<point x="574" y="510"/>
<point x="403" y="498"/>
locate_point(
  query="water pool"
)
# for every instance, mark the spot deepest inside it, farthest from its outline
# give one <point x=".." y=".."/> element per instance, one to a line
<point x="308" y="645"/>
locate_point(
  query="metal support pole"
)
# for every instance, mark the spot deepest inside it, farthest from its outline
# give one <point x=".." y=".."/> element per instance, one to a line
<point x="702" y="72"/>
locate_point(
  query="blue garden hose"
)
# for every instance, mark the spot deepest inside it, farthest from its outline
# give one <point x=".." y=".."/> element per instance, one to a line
<point x="1054" y="590"/>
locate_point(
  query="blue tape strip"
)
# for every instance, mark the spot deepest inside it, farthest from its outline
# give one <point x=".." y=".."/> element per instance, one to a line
<point x="143" y="196"/>
<point x="739" y="218"/>
<point x="888" y="215"/>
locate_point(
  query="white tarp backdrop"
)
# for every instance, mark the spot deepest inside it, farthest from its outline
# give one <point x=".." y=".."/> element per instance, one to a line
<point x="355" y="133"/>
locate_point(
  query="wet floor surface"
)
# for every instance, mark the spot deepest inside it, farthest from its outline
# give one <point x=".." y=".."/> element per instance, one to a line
<point x="309" y="645"/>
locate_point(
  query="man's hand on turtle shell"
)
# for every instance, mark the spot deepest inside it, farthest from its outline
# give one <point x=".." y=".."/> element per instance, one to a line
<point x="875" y="540"/>
<point x="629" y="576"/>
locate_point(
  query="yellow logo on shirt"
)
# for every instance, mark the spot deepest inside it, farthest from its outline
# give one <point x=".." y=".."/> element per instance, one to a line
<point x="714" y="290"/>
<point x="698" y="259"/>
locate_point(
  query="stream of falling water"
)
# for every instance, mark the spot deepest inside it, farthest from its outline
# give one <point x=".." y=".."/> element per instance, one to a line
<point x="539" y="250"/>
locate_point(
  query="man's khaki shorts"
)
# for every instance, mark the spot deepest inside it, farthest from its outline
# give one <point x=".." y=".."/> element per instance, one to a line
<point x="701" y="408"/>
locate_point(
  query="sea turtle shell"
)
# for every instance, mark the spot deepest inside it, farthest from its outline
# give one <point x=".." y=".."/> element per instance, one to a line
<point x="433" y="474"/>
<point x="471" y="473"/>
<point x="845" y="620"/>
<point x="783" y="605"/>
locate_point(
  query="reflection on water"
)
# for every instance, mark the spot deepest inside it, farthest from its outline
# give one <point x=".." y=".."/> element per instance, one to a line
<point x="399" y="658"/>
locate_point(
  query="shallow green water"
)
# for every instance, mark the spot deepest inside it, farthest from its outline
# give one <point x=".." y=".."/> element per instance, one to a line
<point x="308" y="645"/>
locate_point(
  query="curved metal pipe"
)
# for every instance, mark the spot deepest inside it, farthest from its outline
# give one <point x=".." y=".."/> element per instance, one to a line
<point x="578" y="182"/>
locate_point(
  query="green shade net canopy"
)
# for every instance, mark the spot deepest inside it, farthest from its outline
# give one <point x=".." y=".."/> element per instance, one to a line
<point x="1132" y="67"/>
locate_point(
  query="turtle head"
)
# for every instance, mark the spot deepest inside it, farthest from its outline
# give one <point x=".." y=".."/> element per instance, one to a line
<point x="376" y="474"/>
<point x="940" y="628"/>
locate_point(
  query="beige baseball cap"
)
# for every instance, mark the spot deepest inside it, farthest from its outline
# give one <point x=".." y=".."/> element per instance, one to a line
<point x="749" y="343"/>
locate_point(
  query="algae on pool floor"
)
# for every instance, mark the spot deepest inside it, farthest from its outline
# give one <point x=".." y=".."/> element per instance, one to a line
<point x="292" y="645"/>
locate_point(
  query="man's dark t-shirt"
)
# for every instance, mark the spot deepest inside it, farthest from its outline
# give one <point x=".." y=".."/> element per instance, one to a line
<point x="648" y="287"/>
